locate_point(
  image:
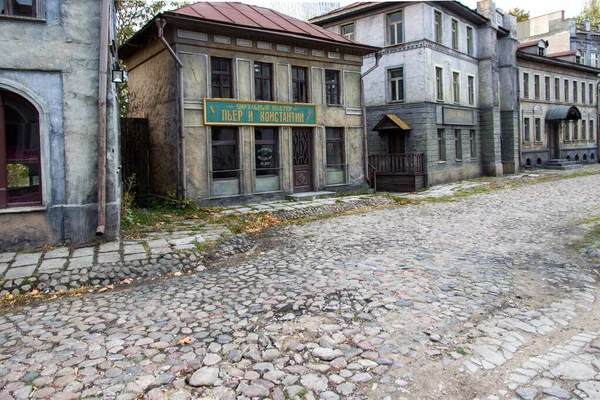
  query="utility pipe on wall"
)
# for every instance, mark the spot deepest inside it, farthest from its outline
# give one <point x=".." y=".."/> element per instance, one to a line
<point x="102" y="88"/>
<point x="160" y="23"/>
<point x="364" y="110"/>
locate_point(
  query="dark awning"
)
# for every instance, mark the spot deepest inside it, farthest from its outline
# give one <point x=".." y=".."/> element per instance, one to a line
<point x="563" y="113"/>
<point x="390" y="121"/>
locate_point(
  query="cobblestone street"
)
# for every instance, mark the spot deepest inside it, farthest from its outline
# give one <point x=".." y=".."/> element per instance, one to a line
<point x="482" y="297"/>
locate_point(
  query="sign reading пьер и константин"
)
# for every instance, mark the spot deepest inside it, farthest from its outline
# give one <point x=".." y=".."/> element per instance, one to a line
<point x="239" y="112"/>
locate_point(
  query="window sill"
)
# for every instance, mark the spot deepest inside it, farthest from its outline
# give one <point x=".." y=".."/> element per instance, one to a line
<point x="395" y="101"/>
<point x="19" y="210"/>
<point x="459" y="160"/>
<point x="335" y="105"/>
<point x="442" y="161"/>
<point x="21" y="18"/>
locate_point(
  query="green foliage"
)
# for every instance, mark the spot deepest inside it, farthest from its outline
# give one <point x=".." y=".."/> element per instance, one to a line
<point x="521" y="14"/>
<point x="173" y="200"/>
<point x="590" y="12"/>
<point x="18" y="175"/>
<point x="128" y="200"/>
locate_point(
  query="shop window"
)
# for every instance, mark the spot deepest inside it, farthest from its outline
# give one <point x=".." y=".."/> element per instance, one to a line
<point x="299" y="85"/>
<point x="220" y="69"/>
<point x="20" y="8"/>
<point x="335" y="153"/>
<point x="348" y="31"/>
<point x="332" y="86"/>
<point x="266" y="151"/>
<point x="455" y="34"/>
<point x="441" y="135"/>
<point x="225" y="153"/>
<point x="394" y="26"/>
<point x="470" y="41"/>
<point x="396" y="79"/>
<point x="458" y="144"/>
<point x="20" y="176"/>
<point x="437" y="16"/>
<point x="472" y="143"/>
<point x="263" y="81"/>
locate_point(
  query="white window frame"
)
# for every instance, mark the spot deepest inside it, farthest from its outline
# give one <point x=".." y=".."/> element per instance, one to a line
<point x="388" y="25"/>
<point x="399" y="82"/>
<point x="470" y="41"/>
<point x="439" y="84"/>
<point x="456" y="87"/>
<point x="455" y="34"/>
<point x="347" y="35"/>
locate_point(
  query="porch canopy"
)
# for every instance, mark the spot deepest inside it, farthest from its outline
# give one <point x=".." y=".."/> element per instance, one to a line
<point x="563" y="113"/>
<point x="391" y="122"/>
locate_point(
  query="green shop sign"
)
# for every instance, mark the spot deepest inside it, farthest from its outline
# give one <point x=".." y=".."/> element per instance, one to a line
<point x="238" y="112"/>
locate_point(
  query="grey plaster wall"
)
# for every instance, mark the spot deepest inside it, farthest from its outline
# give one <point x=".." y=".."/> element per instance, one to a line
<point x="55" y="60"/>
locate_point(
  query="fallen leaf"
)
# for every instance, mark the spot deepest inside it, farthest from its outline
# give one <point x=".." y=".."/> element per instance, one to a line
<point x="126" y="281"/>
<point x="185" y="340"/>
<point x="178" y="273"/>
<point x="102" y="290"/>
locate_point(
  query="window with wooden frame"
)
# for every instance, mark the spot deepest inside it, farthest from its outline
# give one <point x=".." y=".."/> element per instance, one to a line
<point x="394" y="27"/>
<point x="470" y="47"/>
<point x="557" y="89"/>
<point x="20" y="158"/>
<point x="225" y="160"/>
<point x="221" y="79"/>
<point x="458" y="144"/>
<point x="455" y="34"/>
<point x="538" y="129"/>
<point x="263" y="81"/>
<point x="21" y="8"/>
<point x="332" y="86"/>
<point x="575" y="130"/>
<point x="266" y="151"/>
<point x="536" y="86"/>
<point x="348" y="31"/>
<point x="335" y="149"/>
<point x="526" y="130"/>
<point x="566" y="90"/>
<point x="456" y="87"/>
<point x="575" y="94"/>
<point x="473" y="143"/>
<point x="471" y="89"/>
<point x="441" y="136"/>
<point x="437" y="18"/>
<point x="547" y="88"/>
<point x="299" y="85"/>
<point x="525" y="85"/>
<point x="439" y="84"/>
<point x="584" y="130"/>
<point x="591" y="90"/>
<point x="567" y="136"/>
<point x="592" y="132"/>
<point x="583" y="101"/>
<point x="396" y="79"/>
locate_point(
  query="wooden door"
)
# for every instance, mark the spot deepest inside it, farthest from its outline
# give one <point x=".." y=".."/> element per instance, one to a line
<point x="302" y="158"/>
<point x="396" y="142"/>
<point x="553" y="140"/>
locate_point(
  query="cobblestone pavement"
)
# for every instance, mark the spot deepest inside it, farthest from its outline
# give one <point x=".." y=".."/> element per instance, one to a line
<point x="410" y="302"/>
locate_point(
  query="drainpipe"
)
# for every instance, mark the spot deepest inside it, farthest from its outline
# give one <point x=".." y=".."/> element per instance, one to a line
<point x="160" y="23"/>
<point x="364" y="110"/>
<point x="102" y="88"/>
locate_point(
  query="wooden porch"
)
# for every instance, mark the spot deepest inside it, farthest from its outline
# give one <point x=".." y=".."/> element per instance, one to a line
<point x="396" y="172"/>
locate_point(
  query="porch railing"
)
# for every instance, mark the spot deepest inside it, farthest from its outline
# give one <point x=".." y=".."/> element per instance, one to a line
<point x="397" y="163"/>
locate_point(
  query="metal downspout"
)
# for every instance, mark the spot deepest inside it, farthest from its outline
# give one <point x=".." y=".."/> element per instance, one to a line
<point x="364" y="111"/>
<point x="160" y="23"/>
<point x="102" y="88"/>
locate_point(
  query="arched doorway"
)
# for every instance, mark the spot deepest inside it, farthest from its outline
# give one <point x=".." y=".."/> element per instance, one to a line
<point x="20" y="168"/>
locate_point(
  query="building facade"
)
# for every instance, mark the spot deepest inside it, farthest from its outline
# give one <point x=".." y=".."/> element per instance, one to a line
<point x="565" y="36"/>
<point x="558" y="103"/>
<point x="50" y="122"/>
<point x="242" y="108"/>
<point x="439" y="74"/>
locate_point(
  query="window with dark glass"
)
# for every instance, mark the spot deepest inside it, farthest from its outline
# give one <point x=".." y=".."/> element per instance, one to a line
<point x="20" y="169"/>
<point x="557" y="89"/>
<point x="583" y="130"/>
<point x="470" y="41"/>
<point x="538" y="129"/>
<point x="458" y="144"/>
<point x="299" y="85"/>
<point x="592" y="132"/>
<point x="456" y="87"/>
<point x="472" y="143"/>
<point x="225" y="152"/>
<point x="394" y="22"/>
<point x="19" y="8"/>
<point x="583" y="92"/>
<point x="441" y="145"/>
<point x="526" y="130"/>
<point x="547" y="87"/>
<point x="396" y="79"/>
<point x="536" y="86"/>
<point x="266" y="151"/>
<point x="263" y="81"/>
<point x="437" y="16"/>
<point x="471" y="89"/>
<point x="439" y="83"/>
<point x="335" y="148"/>
<point x="526" y="85"/>
<point x="348" y="31"/>
<point x="591" y="86"/>
<point x="566" y="90"/>
<point x="575" y="94"/>
<point x="455" y="34"/>
<point x="220" y="69"/>
<point x="575" y="130"/>
<point x="332" y="86"/>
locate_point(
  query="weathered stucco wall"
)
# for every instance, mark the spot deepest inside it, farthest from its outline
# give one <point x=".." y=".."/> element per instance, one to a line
<point x="56" y="62"/>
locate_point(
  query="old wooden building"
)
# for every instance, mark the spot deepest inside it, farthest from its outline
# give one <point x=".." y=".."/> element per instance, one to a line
<point x="245" y="103"/>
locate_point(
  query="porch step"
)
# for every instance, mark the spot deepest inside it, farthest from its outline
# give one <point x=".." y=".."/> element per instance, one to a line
<point x="309" y="196"/>
<point x="562" y="164"/>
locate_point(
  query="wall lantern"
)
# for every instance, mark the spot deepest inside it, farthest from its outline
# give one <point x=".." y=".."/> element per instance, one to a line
<point x="118" y="75"/>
